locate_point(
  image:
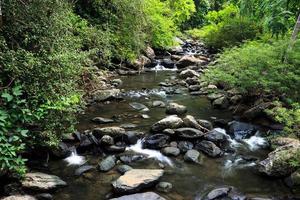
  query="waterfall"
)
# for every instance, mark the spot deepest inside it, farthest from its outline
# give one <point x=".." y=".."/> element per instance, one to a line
<point x="75" y="159"/>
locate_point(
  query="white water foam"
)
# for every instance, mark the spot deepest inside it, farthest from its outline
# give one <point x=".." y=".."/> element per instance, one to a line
<point x="138" y="148"/>
<point x="256" y="142"/>
<point x="75" y="159"/>
<point x="160" y="67"/>
<point x="140" y="94"/>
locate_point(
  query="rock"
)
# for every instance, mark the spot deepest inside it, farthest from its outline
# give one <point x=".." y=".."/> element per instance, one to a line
<point x="235" y="99"/>
<point x="137" y="179"/>
<point x="141" y="196"/>
<point x="62" y="151"/>
<point x="189" y="133"/>
<point x="128" y="126"/>
<point x="111" y="131"/>
<point x="218" y="193"/>
<point x="124" y="168"/>
<point x="188" y="73"/>
<point x="212" y="87"/>
<point x="193" y="81"/>
<point x="116" y="82"/>
<point x="171" y="151"/>
<point x="144" y="116"/>
<point x="129" y="158"/>
<point x="173" y="144"/>
<point x="176" y="109"/>
<point x="164" y="187"/>
<point x="192" y="156"/>
<point x="44" y="196"/>
<point x="216" y="137"/>
<point x="190" y="121"/>
<point x="169" y="131"/>
<point x="283" y="141"/>
<point x="19" y="197"/>
<point x="168" y="63"/>
<point x="194" y="88"/>
<point x="156" y="141"/>
<point x="295" y="178"/>
<point x="221" y="103"/>
<point x="170" y="122"/>
<point x="214" y="96"/>
<point x="278" y="163"/>
<point x="176" y="57"/>
<point x="105" y="95"/>
<point x="131" y="137"/>
<point x="209" y="148"/>
<point x="206" y="124"/>
<point x="81" y="170"/>
<point x="184" y="146"/>
<point x="139" y="63"/>
<point x="149" y="52"/>
<point x="42" y="182"/>
<point x="101" y="120"/>
<point x="115" y="149"/>
<point x="188" y="60"/>
<point x="258" y="110"/>
<point x="241" y="130"/>
<point x="107" y="140"/>
<point x="107" y="164"/>
<point x="160" y="104"/>
<point x="139" y="106"/>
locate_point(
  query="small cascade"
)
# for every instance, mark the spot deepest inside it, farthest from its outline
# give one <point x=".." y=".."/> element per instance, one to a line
<point x="160" y="67"/>
<point x="75" y="159"/>
<point x="256" y="142"/>
<point x="145" y="93"/>
<point x="138" y="148"/>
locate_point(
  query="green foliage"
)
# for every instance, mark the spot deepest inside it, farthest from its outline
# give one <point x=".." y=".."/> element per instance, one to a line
<point x="181" y="10"/>
<point x="198" y="17"/>
<point x="258" y="66"/>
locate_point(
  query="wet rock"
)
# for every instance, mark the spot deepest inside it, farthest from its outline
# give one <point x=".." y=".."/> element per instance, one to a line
<point x="111" y="131"/>
<point x="81" y="170"/>
<point x="184" y="146"/>
<point x="192" y="156"/>
<point x="19" y="197"/>
<point x="241" y="130"/>
<point x="214" y="96"/>
<point x="128" y="126"/>
<point x="193" y="81"/>
<point x="107" y="140"/>
<point x="107" y="164"/>
<point x="283" y="141"/>
<point x="129" y="158"/>
<point x="188" y="73"/>
<point x="212" y="87"/>
<point x="176" y="109"/>
<point x="156" y="141"/>
<point x="137" y="179"/>
<point x="205" y="123"/>
<point x="194" y="88"/>
<point x="62" y="151"/>
<point x="116" y="82"/>
<point x="209" y="148"/>
<point x="221" y="103"/>
<point x="101" y="120"/>
<point x="139" y="106"/>
<point x="189" y="133"/>
<point x="131" y="137"/>
<point x="42" y="182"/>
<point x="170" y="122"/>
<point x="115" y="149"/>
<point x="105" y="95"/>
<point x="160" y="104"/>
<point x="141" y="196"/>
<point x="173" y="144"/>
<point x="44" y="196"/>
<point x="216" y="137"/>
<point x="149" y="52"/>
<point x="144" y="116"/>
<point x="124" y="168"/>
<point x="168" y="63"/>
<point x="278" y="163"/>
<point x="176" y="57"/>
<point x="169" y="131"/>
<point x="190" y="121"/>
<point x="188" y="60"/>
<point x="139" y="63"/>
<point x="218" y="193"/>
<point x="258" y="110"/>
<point x="171" y="151"/>
<point x="235" y="99"/>
<point x="164" y="187"/>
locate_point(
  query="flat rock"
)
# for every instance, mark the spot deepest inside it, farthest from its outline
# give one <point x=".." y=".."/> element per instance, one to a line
<point x="19" y="197"/>
<point x="42" y="182"/>
<point x="170" y="122"/>
<point x="141" y="196"/>
<point x="176" y="109"/>
<point x="189" y="133"/>
<point x="209" y="148"/>
<point x="171" y="151"/>
<point x="85" y="168"/>
<point x="113" y="131"/>
<point x="137" y="179"/>
<point x="107" y="164"/>
<point x="218" y="193"/>
<point x="101" y="120"/>
<point x="139" y="107"/>
<point x="104" y="95"/>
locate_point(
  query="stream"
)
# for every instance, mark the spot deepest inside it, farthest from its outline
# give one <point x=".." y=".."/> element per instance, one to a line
<point x="189" y="180"/>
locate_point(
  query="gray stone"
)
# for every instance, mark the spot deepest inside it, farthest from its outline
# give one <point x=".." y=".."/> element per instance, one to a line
<point x="141" y="196"/>
<point x="218" y="193"/>
<point x="101" y="120"/>
<point x="139" y="106"/>
<point x="156" y="141"/>
<point x="190" y="121"/>
<point x="104" y="95"/>
<point x="216" y="137"/>
<point x="176" y="109"/>
<point x="194" y="88"/>
<point x="124" y="168"/>
<point x="137" y="179"/>
<point x="184" y="146"/>
<point x="221" y="103"/>
<point x="188" y="73"/>
<point x="117" y="82"/>
<point x="107" y="140"/>
<point x="209" y="148"/>
<point x="81" y="170"/>
<point x="160" y="104"/>
<point x="189" y="133"/>
<point x="193" y="156"/>
<point x="188" y="60"/>
<point x="111" y="131"/>
<point x="42" y="182"/>
<point x="205" y="123"/>
<point x="171" y="151"/>
<point x="107" y="164"/>
<point x="241" y="130"/>
<point x="214" y="96"/>
<point x="170" y="122"/>
<point x="164" y="187"/>
<point x="19" y="197"/>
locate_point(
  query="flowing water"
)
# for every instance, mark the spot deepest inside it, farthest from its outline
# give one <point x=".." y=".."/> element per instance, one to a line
<point x="189" y="180"/>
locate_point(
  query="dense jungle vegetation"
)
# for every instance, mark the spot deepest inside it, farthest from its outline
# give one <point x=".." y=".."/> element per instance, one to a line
<point x="49" y="46"/>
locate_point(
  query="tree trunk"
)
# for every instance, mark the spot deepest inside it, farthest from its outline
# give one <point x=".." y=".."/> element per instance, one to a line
<point x="293" y="38"/>
<point x="1" y="20"/>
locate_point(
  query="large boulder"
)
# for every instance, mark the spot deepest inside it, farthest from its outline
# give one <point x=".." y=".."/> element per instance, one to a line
<point x="19" y="197"/>
<point x="189" y="133"/>
<point x="189" y="73"/>
<point x="241" y="130"/>
<point x="141" y="196"/>
<point x="169" y="122"/>
<point x="279" y="162"/>
<point x="156" y="141"/>
<point x="188" y="60"/>
<point x="190" y="121"/>
<point x="112" y="131"/>
<point x="139" y="106"/>
<point x="209" y="148"/>
<point x="42" y="182"/>
<point x="137" y="179"/>
<point x="107" y="164"/>
<point x="221" y="103"/>
<point x="149" y="52"/>
<point x="176" y="109"/>
<point x="104" y="95"/>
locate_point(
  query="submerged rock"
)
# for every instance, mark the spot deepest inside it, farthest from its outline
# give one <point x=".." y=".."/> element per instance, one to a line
<point x="156" y="141"/>
<point x="189" y="133"/>
<point x="209" y="148"/>
<point x="107" y="164"/>
<point x="42" y="182"/>
<point x="176" y="109"/>
<point x="169" y="122"/>
<point x="141" y="196"/>
<point x="136" y="180"/>
<point x="85" y="168"/>
<point x="193" y="156"/>
<point x="101" y="120"/>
